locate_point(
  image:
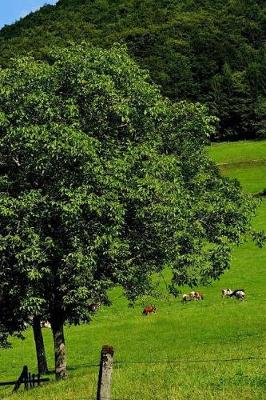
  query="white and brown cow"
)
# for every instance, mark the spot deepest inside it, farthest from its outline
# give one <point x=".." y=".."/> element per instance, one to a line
<point x="192" y="296"/>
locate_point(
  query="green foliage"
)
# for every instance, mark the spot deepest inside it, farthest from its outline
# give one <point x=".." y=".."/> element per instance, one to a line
<point x="103" y="183"/>
<point x="208" y="51"/>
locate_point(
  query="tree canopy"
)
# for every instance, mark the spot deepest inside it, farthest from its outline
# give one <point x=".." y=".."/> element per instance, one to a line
<point x="103" y="182"/>
<point x="211" y="51"/>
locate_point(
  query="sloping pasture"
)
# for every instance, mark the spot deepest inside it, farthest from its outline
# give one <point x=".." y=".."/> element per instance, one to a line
<point x="214" y="349"/>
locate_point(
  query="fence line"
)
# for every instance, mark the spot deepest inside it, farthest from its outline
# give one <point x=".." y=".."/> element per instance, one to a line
<point x="190" y="361"/>
<point x="106" y="364"/>
<point x="177" y="361"/>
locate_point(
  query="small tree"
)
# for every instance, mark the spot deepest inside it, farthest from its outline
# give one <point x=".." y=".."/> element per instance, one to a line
<point x="103" y="182"/>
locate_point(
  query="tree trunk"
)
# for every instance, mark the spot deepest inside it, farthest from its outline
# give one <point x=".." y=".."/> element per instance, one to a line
<point x="39" y="344"/>
<point x="59" y="350"/>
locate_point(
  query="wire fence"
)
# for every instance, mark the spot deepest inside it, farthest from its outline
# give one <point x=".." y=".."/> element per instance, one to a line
<point x="168" y="362"/>
<point x="177" y="361"/>
<point x="181" y="361"/>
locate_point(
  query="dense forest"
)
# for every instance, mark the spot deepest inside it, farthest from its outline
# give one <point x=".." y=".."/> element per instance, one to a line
<point x="211" y="51"/>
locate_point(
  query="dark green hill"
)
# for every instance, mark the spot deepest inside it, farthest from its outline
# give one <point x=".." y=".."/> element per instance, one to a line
<point x="210" y="51"/>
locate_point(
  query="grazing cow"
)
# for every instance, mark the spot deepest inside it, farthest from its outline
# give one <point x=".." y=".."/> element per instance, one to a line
<point x="226" y="292"/>
<point x="238" y="294"/>
<point x="93" y="307"/>
<point x="192" y="296"/>
<point x="148" y="310"/>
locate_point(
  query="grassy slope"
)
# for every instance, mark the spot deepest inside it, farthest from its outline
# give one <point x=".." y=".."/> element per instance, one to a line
<point x="200" y="331"/>
<point x="245" y="161"/>
<point x="238" y="151"/>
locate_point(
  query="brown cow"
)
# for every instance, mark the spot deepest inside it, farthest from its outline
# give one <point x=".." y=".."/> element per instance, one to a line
<point x="148" y="310"/>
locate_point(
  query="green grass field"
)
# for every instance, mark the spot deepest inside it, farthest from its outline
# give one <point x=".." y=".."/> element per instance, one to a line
<point x="241" y="151"/>
<point x="245" y="161"/>
<point x="215" y="349"/>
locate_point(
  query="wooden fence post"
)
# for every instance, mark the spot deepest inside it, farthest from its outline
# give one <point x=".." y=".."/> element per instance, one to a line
<point x="105" y="373"/>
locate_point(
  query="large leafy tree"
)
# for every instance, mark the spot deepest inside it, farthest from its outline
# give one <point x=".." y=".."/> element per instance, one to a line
<point x="103" y="182"/>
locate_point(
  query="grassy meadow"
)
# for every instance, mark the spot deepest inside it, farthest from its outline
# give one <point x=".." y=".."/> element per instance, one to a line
<point x="243" y="160"/>
<point x="214" y="349"/>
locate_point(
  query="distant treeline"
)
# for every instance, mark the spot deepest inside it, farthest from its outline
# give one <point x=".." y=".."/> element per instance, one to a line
<point x="211" y="51"/>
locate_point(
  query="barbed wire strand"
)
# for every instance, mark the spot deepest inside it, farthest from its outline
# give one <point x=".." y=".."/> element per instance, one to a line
<point x="177" y="361"/>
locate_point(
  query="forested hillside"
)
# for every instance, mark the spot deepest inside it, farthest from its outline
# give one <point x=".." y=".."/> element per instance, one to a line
<point x="212" y="51"/>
